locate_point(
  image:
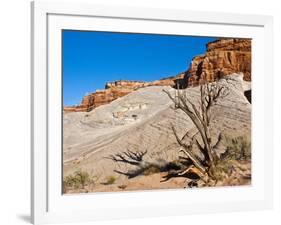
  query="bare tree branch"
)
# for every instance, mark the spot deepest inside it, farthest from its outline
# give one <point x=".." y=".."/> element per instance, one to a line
<point x="200" y="115"/>
<point x="218" y="141"/>
<point x="186" y="150"/>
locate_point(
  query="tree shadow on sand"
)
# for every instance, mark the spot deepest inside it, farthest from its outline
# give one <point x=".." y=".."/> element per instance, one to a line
<point x="131" y="158"/>
<point x="174" y="169"/>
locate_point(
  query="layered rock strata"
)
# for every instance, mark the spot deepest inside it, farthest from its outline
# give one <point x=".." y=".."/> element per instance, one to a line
<point x="223" y="57"/>
<point x="141" y="121"/>
<point x="117" y="89"/>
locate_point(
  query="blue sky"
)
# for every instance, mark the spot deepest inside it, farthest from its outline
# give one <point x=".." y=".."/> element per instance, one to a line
<point x="90" y="59"/>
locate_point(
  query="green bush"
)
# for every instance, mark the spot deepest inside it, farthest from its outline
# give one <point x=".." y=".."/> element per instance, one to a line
<point x="151" y="169"/>
<point x="238" y="148"/>
<point x="110" y="180"/>
<point x="77" y="180"/>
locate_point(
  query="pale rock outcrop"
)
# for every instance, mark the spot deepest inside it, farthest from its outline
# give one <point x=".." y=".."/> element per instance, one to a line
<point x="115" y="90"/>
<point x="141" y="121"/>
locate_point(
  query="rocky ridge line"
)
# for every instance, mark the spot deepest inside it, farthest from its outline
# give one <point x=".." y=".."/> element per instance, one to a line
<point x="117" y="89"/>
<point x="223" y="57"/>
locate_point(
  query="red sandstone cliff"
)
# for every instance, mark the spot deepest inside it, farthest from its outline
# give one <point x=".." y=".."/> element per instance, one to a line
<point x="117" y="89"/>
<point x="223" y="57"/>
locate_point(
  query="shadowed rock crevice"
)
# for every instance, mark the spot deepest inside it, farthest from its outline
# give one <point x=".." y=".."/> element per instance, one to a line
<point x="248" y="95"/>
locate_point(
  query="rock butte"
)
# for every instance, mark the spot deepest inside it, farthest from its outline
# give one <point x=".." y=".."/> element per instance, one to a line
<point x="223" y="57"/>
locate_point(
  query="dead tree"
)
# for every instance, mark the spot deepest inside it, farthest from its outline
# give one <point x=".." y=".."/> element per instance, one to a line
<point x="200" y="115"/>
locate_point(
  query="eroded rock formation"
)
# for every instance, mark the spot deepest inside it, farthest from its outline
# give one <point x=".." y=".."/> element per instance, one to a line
<point x="117" y="89"/>
<point x="141" y="121"/>
<point x="223" y="57"/>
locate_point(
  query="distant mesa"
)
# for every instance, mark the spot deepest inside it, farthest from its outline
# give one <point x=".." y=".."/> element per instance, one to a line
<point x="117" y="89"/>
<point x="223" y="57"/>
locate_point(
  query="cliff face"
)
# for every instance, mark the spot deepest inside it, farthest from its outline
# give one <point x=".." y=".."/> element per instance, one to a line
<point x="117" y="89"/>
<point x="223" y="57"/>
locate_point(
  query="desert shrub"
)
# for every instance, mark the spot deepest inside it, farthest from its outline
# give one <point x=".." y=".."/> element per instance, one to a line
<point x="122" y="186"/>
<point x="70" y="181"/>
<point x="151" y="169"/>
<point x="77" y="180"/>
<point x="238" y="148"/>
<point x="157" y="167"/>
<point x="83" y="177"/>
<point x="110" y="180"/>
<point x="222" y="168"/>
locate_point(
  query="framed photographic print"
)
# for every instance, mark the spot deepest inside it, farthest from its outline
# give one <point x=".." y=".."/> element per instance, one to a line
<point x="142" y="112"/>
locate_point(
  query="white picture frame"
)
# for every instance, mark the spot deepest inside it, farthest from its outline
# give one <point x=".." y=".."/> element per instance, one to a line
<point x="48" y="205"/>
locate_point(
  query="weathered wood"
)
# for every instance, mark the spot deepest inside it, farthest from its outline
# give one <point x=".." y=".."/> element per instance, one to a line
<point x="200" y="116"/>
<point x="189" y="153"/>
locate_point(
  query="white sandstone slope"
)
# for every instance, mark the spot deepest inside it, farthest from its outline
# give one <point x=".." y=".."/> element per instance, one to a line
<point x="141" y="121"/>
